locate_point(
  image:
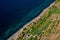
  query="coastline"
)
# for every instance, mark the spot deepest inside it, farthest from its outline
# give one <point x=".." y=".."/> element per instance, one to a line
<point x="15" y="35"/>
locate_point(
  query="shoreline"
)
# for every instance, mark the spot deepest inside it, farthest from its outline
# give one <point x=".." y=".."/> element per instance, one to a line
<point x="15" y="35"/>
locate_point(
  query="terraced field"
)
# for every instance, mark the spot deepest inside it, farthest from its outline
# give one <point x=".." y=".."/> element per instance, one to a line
<point x="46" y="28"/>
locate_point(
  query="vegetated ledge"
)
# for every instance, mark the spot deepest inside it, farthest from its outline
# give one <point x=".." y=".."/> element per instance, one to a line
<point x="45" y="26"/>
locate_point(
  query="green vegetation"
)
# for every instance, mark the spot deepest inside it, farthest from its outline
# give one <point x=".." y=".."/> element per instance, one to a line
<point x="40" y="27"/>
<point x="54" y="10"/>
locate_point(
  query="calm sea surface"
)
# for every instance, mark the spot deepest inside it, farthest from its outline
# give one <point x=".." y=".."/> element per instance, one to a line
<point x="16" y="13"/>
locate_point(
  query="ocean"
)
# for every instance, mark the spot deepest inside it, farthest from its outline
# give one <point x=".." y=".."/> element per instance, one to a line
<point x="14" y="14"/>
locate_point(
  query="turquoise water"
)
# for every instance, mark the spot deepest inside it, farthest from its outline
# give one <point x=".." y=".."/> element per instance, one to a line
<point x="15" y="19"/>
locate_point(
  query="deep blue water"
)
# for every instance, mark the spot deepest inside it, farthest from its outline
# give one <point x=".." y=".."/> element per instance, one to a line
<point x="16" y="13"/>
